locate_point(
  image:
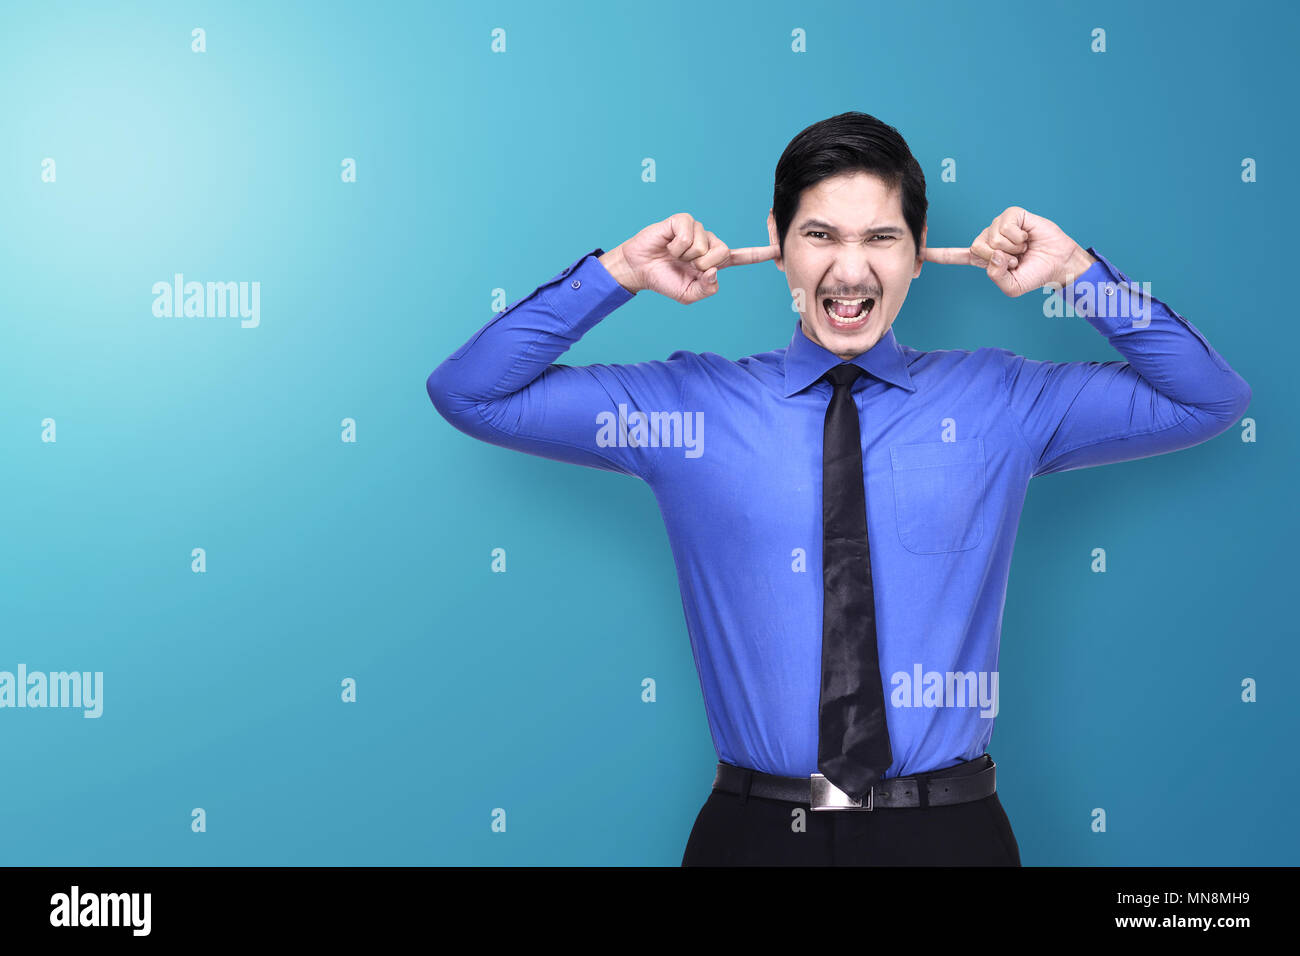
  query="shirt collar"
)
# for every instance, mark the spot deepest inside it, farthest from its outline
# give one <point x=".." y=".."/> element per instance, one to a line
<point x="806" y="362"/>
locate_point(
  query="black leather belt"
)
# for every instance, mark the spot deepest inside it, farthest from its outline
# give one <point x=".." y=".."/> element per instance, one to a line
<point x="973" y="780"/>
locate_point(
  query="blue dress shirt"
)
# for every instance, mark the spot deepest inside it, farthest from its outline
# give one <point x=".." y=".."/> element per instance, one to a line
<point x="733" y="452"/>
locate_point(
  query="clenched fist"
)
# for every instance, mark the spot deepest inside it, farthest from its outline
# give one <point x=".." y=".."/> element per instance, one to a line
<point x="678" y="258"/>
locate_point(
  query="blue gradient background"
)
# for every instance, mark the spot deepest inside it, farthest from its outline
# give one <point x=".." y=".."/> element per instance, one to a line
<point x="475" y="171"/>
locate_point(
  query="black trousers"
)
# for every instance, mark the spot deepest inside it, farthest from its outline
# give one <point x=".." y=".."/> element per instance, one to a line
<point x="733" y="829"/>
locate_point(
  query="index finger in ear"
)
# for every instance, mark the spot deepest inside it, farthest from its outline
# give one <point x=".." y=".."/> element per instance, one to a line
<point x="750" y="254"/>
<point x="948" y="257"/>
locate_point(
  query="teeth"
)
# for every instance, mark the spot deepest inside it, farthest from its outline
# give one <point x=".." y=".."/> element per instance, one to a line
<point x="837" y="320"/>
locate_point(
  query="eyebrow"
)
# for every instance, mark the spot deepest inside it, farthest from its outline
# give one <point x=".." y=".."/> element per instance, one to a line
<point x="827" y="227"/>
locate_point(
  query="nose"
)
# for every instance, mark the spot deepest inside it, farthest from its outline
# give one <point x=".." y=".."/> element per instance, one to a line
<point x="851" y="275"/>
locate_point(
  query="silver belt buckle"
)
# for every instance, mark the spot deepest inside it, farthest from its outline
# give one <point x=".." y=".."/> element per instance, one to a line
<point x="826" y="796"/>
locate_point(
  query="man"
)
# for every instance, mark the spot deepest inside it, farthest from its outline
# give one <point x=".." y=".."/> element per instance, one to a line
<point x="843" y="537"/>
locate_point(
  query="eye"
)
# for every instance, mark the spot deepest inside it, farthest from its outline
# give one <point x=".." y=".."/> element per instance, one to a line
<point x="882" y="235"/>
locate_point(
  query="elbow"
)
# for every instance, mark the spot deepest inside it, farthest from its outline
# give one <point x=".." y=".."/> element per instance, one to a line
<point x="433" y="385"/>
<point x="442" y="394"/>
<point x="1211" y="419"/>
<point x="1215" y="419"/>
<point x="1231" y="399"/>
<point x="1241" y="399"/>
<point x="462" y="412"/>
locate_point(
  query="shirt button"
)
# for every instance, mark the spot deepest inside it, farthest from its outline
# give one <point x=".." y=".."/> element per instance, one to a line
<point x="576" y="284"/>
<point x="1110" y="288"/>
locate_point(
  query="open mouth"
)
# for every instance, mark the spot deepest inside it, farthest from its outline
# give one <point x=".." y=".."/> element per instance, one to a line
<point x="846" y="315"/>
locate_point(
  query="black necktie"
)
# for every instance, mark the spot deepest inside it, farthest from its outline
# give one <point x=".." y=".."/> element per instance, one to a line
<point x="853" y="740"/>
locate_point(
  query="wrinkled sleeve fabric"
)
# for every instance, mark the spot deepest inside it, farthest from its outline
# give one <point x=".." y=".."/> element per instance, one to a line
<point x="504" y="386"/>
<point x="1174" y="390"/>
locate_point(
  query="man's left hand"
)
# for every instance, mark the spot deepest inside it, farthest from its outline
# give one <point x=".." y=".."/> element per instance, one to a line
<point x="1021" y="252"/>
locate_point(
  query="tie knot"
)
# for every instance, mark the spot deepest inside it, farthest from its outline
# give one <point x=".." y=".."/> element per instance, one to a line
<point x="845" y="374"/>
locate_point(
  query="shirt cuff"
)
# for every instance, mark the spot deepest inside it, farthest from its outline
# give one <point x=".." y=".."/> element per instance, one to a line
<point x="584" y="293"/>
<point x="1108" y="298"/>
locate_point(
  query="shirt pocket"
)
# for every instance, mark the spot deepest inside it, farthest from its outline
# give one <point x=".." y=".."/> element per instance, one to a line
<point x="939" y="495"/>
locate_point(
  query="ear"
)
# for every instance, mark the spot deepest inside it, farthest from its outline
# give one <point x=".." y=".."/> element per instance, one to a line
<point x="920" y="253"/>
<point x="772" y="239"/>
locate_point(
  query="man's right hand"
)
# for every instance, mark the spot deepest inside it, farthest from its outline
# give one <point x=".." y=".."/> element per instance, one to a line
<point x="678" y="258"/>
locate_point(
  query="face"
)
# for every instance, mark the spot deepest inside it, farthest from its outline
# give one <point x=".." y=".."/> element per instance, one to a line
<point x="847" y="241"/>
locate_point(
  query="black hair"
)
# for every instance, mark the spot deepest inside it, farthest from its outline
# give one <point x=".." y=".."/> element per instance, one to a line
<point x="847" y="143"/>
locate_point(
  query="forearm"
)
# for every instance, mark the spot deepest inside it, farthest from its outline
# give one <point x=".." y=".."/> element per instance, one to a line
<point x="1173" y="391"/>
<point x="505" y="387"/>
<point x="1161" y="346"/>
<point x="521" y="342"/>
